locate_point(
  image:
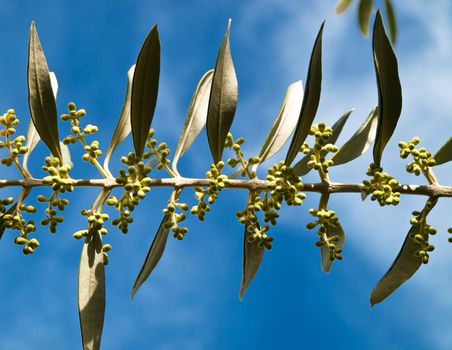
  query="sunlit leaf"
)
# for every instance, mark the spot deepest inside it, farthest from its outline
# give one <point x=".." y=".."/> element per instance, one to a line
<point x="301" y="168"/>
<point x="153" y="256"/>
<point x="310" y="101"/>
<point x="284" y="123"/>
<point x="392" y="23"/>
<point x="223" y="99"/>
<point x="252" y="258"/>
<point x="145" y="89"/>
<point x="325" y="253"/>
<point x="123" y="126"/>
<point x="444" y="154"/>
<point x="389" y="89"/>
<point x="364" y="12"/>
<point x="32" y="135"/>
<point x="91" y="292"/>
<point x="360" y="141"/>
<point x="404" y="266"/>
<point x="41" y="99"/>
<point x="196" y="117"/>
<point x="66" y="154"/>
<point x="342" y="6"/>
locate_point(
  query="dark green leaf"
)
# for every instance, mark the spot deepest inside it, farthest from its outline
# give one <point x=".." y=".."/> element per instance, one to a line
<point x="123" y="126"/>
<point x="404" y="266"/>
<point x="223" y="99"/>
<point x="392" y="23"/>
<point x="325" y="253"/>
<point x="310" y="101"/>
<point x="91" y="292"/>
<point x="196" y="117"/>
<point x="252" y="258"/>
<point x="41" y="99"/>
<point x="389" y="89"/>
<point x="144" y="90"/>
<point x="301" y="168"/>
<point x="342" y="6"/>
<point x="284" y="123"/>
<point x="360" y="141"/>
<point x="364" y="12"/>
<point x="444" y="154"/>
<point x="153" y="256"/>
<point x="32" y="135"/>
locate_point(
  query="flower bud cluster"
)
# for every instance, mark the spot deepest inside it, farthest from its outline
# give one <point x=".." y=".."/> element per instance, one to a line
<point x="159" y="150"/>
<point x="16" y="146"/>
<point x="421" y="235"/>
<point x="95" y="222"/>
<point x="92" y="151"/>
<point x="208" y="195"/>
<point x="317" y="160"/>
<point x="245" y="165"/>
<point x="285" y="186"/>
<point x="326" y="218"/>
<point x="15" y="221"/>
<point x="422" y="160"/>
<point x="136" y="185"/>
<point x="175" y="219"/>
<point x="381" y="186"/>
<point x="4" y="203"/>
<point x="255" y="232"/>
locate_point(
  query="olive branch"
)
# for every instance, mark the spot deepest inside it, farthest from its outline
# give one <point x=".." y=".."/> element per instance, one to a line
<point x="213" y="106"/>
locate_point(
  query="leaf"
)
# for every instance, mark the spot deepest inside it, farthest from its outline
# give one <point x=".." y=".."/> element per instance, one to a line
<point x="32" y="135"/>
<point x="252" y="258"/>
<point x="444" y="154"/>
<point x="223" y="99"/>
<point x="392" y="23"/>
<point x="404" y="266"/>
<point x="284" y="123"/>
<point x="66" y="154"/>
<point x="342" y="6"/>
<point x="196" y="116"/>
<point x="41" y="98"/>
<point x="359" y="142"/>
<point x="389" y="89"/>
<point x="364" y="12"/>
<point x="310" y="101"/>
<point x="144" y="90"/>
<point x="91" y="292"/>
<point x="153" y="256"/>
<point x="325" y="253"/>
<point x="123" y="126"/>
<point x="301" y="168"/>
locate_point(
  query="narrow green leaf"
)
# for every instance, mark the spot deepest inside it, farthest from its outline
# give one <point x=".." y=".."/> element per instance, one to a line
<point x="285" y="122"/>
<point x="392" y="23"/>
<point x="360" y="141"/>
<point x="153" y="256"/>
<point x="342" y="6"/>
<point x="196" y="117"/>
<point x="32" y="135"/>
<point x="223" y="99"/>
<point x="41" y="100"/>
<point x="144" y="90"/>
<point x="301" y="168"/>
<point x="404" y="266"/>
<point x="91" y="292"/>
<point x="252" y="258"/>
<point x="66" y="154"/>
<point x="389" y="89"/>
<point x="310" y="101"/>
<point x="444" y="154"/>
<point x="123" y="126"/>
<point x="364" y="12"/>
<point x="325" y="253"/>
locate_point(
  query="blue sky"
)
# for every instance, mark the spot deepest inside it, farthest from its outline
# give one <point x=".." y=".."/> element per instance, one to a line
<point x="191" y="300"/>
